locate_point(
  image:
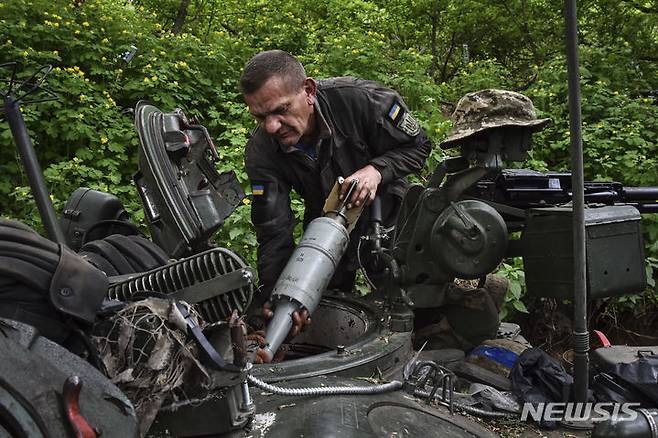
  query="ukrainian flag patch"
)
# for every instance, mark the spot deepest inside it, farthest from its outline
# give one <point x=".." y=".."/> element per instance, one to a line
<point x="257" y="189"/>
<point x="394" y="111"/>
<point x="403" y="120"/>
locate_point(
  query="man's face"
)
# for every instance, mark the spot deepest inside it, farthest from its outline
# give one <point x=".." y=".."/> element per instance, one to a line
<point x="284" y="112"/>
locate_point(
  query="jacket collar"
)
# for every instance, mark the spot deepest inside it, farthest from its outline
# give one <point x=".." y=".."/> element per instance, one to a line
<point x="324" y="129"/>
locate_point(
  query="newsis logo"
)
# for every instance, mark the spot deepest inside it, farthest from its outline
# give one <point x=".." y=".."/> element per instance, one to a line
<point x="579" y="411"/>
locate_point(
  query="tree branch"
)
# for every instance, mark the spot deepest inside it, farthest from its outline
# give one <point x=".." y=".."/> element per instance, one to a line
<point x="179" y="21"/>
<point x="444" y="70"/>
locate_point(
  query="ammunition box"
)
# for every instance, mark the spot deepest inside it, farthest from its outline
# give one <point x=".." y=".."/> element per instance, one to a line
<point x="615" y="252"/>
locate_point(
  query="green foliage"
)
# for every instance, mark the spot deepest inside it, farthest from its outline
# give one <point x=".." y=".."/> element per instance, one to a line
<point x="512" y="270"/>
<point x="432" y="52"/>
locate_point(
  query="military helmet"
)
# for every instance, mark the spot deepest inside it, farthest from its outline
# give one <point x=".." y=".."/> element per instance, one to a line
<point x="486" y="109"/>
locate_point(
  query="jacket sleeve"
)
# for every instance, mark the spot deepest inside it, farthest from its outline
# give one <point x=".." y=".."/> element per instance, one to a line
<point x="272" y="218"/>
<point x="396" y="142"/>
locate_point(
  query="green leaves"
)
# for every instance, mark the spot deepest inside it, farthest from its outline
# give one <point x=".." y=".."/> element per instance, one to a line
<point x="86" y="138"/>
<point x="512" y="270"/>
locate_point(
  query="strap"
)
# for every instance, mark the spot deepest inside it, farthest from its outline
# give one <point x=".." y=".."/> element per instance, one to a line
<point x="217" y="361"/>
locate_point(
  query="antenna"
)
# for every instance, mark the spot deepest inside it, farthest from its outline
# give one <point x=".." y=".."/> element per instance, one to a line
<point x="15" y="93"/>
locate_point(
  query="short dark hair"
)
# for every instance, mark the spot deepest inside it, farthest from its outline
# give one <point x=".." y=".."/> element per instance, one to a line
<point x="270" y="63"/>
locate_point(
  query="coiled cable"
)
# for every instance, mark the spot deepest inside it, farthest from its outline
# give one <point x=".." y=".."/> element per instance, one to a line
<point x="325" y="390"/>
<point x="470" y="409"/>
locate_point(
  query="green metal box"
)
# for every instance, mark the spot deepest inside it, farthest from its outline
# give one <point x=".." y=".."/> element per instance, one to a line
<point x="615" y="252"/>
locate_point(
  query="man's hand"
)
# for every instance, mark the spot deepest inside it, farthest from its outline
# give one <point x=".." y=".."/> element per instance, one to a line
<point x="300" y="321"/>
<point x="366" y="189"/>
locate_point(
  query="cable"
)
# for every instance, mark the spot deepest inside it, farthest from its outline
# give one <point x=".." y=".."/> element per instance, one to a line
<point x="470" y="409"/>
<point x="365" y="390"/>
<point x="325" y="390"/>
<point x="363" y="269"/>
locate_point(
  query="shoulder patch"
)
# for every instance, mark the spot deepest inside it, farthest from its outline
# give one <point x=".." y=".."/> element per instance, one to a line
<point x="403" y="120"/>
<point x="394" y="111"/>
<point x="257" y="189"/>
<point x="408" y="124"/>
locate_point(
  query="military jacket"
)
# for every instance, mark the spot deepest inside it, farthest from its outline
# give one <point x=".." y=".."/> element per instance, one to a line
<point x="367" y="124"/>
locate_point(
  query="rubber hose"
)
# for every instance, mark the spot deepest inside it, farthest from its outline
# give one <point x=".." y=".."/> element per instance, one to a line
<point x="325" y="390"/>
<point x="470" y="409"/>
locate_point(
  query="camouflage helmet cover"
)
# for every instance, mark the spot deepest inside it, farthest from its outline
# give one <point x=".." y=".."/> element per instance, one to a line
<point x="486" y="109"/>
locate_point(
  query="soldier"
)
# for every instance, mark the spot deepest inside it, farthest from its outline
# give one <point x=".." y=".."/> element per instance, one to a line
<point x="309" y="133"/>
<point x="487" y="120"/>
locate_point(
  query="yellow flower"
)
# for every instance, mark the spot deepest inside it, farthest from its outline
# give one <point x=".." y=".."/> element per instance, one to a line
<point x="76" y="32"/>
<point x="154" y="78"/>
<point x="103" y="140"/>
<point x="55" y="52"/>
<point x="105" y="41"/>
<point x="147" y="80"/>
<point x="85" y="24"/>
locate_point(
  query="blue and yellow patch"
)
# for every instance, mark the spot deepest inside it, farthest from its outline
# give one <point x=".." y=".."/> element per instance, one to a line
<point x="394" y="111"/>
<point x="257" y="189"/>
<point x="403" y="120"/>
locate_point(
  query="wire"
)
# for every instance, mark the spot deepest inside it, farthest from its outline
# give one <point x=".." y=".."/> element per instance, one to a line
<point x="470" y="409"/>
<point x="325" y="390"/>
<point x="363" y="269"/>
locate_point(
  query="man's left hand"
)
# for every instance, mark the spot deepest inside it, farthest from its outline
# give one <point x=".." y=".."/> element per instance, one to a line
<point x="369" y="179"/>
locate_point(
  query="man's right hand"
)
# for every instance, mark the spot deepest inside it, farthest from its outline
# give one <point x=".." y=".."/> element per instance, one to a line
<point x="368" y="178"/>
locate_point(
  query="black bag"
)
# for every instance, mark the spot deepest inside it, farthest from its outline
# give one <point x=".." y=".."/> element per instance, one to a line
<point x="629" y="382"/>
<point x="538" y="378"/>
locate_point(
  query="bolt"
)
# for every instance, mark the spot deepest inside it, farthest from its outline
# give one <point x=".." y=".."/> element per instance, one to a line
<point x="66" y="292"/>
<point x="340" y="350"/>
